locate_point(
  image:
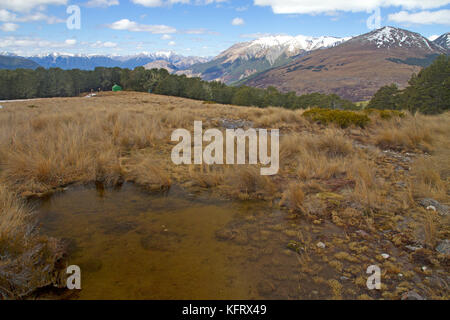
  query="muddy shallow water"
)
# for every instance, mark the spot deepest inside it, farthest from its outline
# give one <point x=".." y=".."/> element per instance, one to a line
<point x="131" y="244"/>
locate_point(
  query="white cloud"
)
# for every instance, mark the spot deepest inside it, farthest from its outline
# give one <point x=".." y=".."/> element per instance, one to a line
<point x="161" y="3"/>
<point x="172" y="43"/>
<point x="106" y="44"/>
<point x="12" y="43"/>
<point x="433" y="37"/>
<point x="422" y="17"/>
<point x="315" y="6"/>
<point x="8" y="27"/>
<point x="70" y="42"/>
<point x="237" y="22"/>
<point x="102" y="3"/>
<point x="128" y="25"/>
<point x="27" y="5"/>
<point x="6" y="16"/>
<point x="39" y="16"/>
<point x="166" y="37"/>
<point x="158" y="3"/>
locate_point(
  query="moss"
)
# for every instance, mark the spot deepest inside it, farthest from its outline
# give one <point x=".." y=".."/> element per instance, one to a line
<point x="342" y="118"/>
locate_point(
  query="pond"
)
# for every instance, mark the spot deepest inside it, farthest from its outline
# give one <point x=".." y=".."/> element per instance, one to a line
<point x="131" y="244"/>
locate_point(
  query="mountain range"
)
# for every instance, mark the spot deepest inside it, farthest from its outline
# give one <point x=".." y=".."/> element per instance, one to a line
<point x="90" y="62"/>
<point x="353" y="67"/>
<point x="247" y="58"/>
<point x="357" y="68"/>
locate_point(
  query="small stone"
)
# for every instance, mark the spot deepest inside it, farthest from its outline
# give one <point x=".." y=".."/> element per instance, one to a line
<point x="440" y="208"/>
<point x="321" y="245"/>
<point x="413" y="248"/>
<point x="424" y="268"/>
<point x="400" y="275"/>
<point x="444" y="247"/>
<point x="412" y="295"/>
<point x="385" y="255"/>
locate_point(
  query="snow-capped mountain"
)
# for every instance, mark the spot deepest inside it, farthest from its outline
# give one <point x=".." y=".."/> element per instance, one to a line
<point x="443" y="41"/>
<point x="271" y="48"/>
<point x="91" y="61"/>
<point x="390" y="38"/>
<point x="354" y="69"/>
<point x="247" y="58"/>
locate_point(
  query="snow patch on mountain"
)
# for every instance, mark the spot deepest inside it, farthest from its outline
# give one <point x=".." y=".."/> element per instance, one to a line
<point x="273" y="47"/>
<point x="390" y="37"/>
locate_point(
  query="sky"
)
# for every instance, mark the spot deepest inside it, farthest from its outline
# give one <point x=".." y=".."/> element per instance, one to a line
<point x="199" y="27"/>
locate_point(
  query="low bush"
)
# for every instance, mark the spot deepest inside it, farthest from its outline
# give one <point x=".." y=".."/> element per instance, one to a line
<point x="342" y="118"/>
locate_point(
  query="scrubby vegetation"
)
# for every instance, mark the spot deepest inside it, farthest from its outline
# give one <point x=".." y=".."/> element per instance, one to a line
<point x="340" y="117"/>
<point x="428" y="91"/>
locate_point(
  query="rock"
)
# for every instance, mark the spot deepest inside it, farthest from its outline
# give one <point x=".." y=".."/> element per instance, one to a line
<point x="385" y="255"/>
<point x="236" y="124"/>
<point x="431" y="203"/>
<point x="321" y="245"/>
<point x="412" y="295"/>
<point x="444" y="247"/>
<point x="413" y="248"/>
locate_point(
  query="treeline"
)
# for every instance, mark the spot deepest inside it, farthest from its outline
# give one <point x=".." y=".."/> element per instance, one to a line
<point x="428" y="92"/>
<point x="55" y="82"/>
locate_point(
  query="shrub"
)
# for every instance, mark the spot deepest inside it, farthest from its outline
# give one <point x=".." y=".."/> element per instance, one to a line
<point x="340" y="117"/>
<point x="385" y="114"/>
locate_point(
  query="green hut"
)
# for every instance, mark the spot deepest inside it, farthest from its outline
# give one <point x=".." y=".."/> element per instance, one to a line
<point x="116" y="88"/>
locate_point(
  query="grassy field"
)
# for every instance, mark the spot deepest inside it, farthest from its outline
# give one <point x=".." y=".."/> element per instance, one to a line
<point x="367" y="179"/>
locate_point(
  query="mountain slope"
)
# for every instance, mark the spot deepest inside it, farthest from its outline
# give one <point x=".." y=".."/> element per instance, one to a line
<point x="246" y="58"/>
<point x="13" y="62"/>
<point x="443" y="41"/>
<point x="357" y="68"/>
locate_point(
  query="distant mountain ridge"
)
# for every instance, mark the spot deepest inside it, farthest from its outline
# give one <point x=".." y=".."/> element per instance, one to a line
<point x="14" y="62"/>
<point x="354" y="69"/>
<point x="90" y="62"/>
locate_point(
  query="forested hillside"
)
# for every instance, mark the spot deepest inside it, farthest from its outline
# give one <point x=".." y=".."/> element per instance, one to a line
<point x="427" y="92"/>
<point x="55" y="82"/>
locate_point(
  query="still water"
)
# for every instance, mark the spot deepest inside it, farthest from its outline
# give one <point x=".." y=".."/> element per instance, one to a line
<point x="131" y="244"/>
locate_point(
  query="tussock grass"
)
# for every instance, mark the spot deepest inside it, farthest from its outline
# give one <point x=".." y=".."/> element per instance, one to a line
<point x="295" y="197"/>
<point x="332" y="172"/>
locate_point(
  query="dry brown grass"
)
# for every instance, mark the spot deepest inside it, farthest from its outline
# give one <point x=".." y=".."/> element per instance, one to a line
<point x="414" y="132"/>
<point x="295" y="197"/>
<point x="326" y="173"/>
